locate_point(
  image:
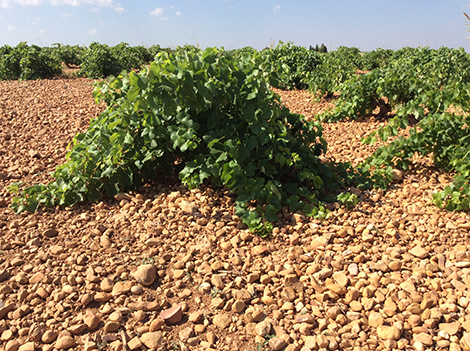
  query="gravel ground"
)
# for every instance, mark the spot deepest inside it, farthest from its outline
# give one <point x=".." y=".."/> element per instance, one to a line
<point x="165" y="268"/>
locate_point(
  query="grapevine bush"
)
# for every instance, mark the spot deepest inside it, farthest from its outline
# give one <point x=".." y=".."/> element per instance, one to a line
<point x="70" y="55"/>
<point x="27" y="62"/>
<point x="427" y="90"/>
<point x="290" y="65"/>
<point x="204" y="117"/>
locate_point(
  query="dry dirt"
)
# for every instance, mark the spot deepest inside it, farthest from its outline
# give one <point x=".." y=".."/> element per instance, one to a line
<point x="170" y="269"/>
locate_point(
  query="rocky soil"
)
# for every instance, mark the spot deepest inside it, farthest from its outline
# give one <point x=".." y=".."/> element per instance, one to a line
<point x="165" y="268"/>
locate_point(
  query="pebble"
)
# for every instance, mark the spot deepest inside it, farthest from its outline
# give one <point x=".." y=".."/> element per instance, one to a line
<point x="389" y="274"/>
<point x="388" y="332"/>
<point x="222" y="320"/>
<point x="172" y="315"/>
<point x="145" y="274"/>
<point x="65" y="342"/>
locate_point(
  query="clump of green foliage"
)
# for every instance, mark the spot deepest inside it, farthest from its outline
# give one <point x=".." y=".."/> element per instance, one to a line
<point x="101" y="60"/>
<point x="70" y="55"/>
<point x="26" y="62"/>
<point x="427" y="91"/>
<point x="204" y="117"/>
<point x="290" y="64"/>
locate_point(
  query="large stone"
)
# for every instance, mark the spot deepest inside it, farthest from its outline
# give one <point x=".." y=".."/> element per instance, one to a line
<point x="451" y="328"/>
<point x="145" y="274"/>
<point x="465" y="342"/>
<point x="12" y="345"/>
<point x="28" y="346"/>
<point x="263" y="328"/>
<point x="424" y="338"/>
<point x="222" y="320"/>
<point x="91" y="320"/>
<point x="49" y="336"/>
<point x="65" y="342"/>
<point x="385" y="332"/>
<point x="419" y="252"/>
<point x="277" y="343"/>
<point x="153" y="340"/>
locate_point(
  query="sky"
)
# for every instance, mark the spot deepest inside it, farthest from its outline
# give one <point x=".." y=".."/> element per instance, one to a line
<point x="232" y="24"/>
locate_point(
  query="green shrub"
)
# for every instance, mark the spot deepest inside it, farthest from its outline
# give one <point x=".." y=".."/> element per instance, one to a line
<point x="98" y="62"/>
<point x="290" y="65"/>
<point x="26" y="62"/>
<point x="70" y="55"/>
<point x="204" y="117"/>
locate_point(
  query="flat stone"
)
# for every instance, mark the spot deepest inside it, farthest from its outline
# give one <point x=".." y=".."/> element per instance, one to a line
<point x="277" y="343"/>
<point x="341" y="279"/>
<point x="111" y="327"/>
<point x="178" y="273"/>
<point x="28" y="346"/>
<point x="424" y="338"/>
<point x="451" y="328"/>
<point x="134" y="343"/>
<point x="222" y="320"/>
<point x="50" y="233"/>
<point x="259" y="250"/>
<point x="153" y="340"/>
<point x="56" y="249"/>
<point x="419" y="252"/>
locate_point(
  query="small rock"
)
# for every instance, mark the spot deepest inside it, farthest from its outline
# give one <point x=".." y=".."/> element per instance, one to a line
<point x="145" y="274"/>
<point x="156" y="324"/>
<point x="188" y="207"/>
<point x="419" y="252"/>
<point x="277" y="343"/>
<point x="50" y="233"/>
<point x="65" y="342"/>
<point x="56" y="249"/>
<point x="121" y="288"/>
<point x="49" y="336"/>
<point x="185" y="333"/>
<point x="134" y="343"/>
<point x="222" y="320"/>
<point x="424" y="338"/>
<point x="29" y="346"/>
<point x="211" y="338"/>
<point x="153" y="340"/>
<point x="195" y="317"/>
<point x="111" y="327"/>
<point x="263" y="328"/>
<point x="179" y="273"/>
<point x="465" y="342"/>
<point x="259" y="250"/>
<point x="91" y="320"/>
<point x="388" y="332"/>
<point x="238" y="306"/>
<point x="172" y="315"/>
<point x="451" y="328"/>
<point x="12" y="345"/>
<point x="216" y="280"/>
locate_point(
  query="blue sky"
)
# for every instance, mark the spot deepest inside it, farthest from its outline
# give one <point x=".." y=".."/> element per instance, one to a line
<point x="366" y="24"/>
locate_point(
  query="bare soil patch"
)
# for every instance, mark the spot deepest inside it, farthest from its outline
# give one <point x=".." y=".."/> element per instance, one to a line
<point x="393" y="273"/>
